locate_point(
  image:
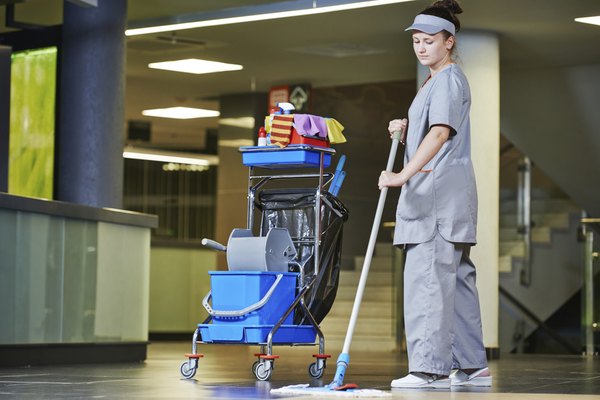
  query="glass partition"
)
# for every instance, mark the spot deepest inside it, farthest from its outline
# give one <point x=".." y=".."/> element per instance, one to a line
<point x="66" y="280"/>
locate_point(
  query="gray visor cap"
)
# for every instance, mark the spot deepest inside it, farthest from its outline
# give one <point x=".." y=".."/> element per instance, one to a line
<point x="431" y="25"/>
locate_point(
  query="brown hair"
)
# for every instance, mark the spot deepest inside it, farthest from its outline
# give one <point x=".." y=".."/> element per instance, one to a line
<point x="446" y="9"/>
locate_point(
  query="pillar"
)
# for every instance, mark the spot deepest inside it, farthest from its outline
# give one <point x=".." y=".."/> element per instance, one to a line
<point x="92" y="91"/>
<point x="478" y="55"/>
<point x="232" y="183"/>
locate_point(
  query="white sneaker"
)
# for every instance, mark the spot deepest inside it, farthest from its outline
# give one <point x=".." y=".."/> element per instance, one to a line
<point x="480" y="378"/>
<point x="421" y="380"/>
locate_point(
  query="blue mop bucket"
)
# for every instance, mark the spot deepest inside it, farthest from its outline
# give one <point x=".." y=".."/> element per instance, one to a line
<point x="251" y="297"/>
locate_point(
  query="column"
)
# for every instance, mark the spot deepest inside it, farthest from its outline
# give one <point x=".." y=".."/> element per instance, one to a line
<point x="478" y="55"/>
<point x="92" y="91"/>
<point x="232" y="183"/>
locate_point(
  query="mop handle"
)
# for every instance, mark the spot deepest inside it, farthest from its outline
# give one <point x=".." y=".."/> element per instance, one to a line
<point x="371" y="247"/>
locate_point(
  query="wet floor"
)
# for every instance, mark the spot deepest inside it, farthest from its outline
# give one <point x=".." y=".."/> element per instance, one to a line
<point x="225" y="373"/>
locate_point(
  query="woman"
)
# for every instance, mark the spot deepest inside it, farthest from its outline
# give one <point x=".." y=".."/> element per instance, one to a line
<point x="437" y="216"/>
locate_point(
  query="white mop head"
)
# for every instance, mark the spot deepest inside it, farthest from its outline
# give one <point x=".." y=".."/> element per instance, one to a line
<point x="305" y="389"/>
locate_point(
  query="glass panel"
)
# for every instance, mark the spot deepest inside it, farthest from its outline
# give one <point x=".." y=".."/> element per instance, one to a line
<point x="8" y="287"/>
<point x="123" y="283"/>
<point x="72" y="281"/>
<point x="39" y="278"/>
<point x="80" y="281"/>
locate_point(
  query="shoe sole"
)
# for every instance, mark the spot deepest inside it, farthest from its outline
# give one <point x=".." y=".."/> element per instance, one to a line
<point x="480" y="381"/>
<point x="432" y="385"/>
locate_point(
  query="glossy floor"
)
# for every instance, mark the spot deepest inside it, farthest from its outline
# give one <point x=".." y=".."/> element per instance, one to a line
<point x="225" y="374"/>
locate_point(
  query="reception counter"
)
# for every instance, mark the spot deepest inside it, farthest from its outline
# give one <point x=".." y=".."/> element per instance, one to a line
<point x="74" y="282"/>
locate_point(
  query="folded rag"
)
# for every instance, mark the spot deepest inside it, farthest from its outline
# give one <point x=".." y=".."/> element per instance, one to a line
<point x="334" y="130"/>
<point x="310" y="125"/>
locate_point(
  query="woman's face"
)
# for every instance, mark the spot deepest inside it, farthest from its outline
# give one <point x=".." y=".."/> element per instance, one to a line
<point x="433" y="51"/>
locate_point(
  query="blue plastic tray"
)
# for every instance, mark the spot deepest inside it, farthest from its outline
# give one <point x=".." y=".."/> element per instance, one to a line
<point x="288" y="157"/>
<point x="255" y="334"/>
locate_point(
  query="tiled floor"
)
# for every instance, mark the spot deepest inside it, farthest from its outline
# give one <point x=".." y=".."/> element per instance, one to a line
<point x="225" y="374"/>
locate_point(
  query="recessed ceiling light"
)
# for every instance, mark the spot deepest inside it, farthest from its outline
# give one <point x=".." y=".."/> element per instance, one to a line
<point x="169" y="156"/>
<point x="287" y="9"/>
<point x="589" y="20"/>
<point x="240" y="122"/>
<point x="180" y="113"/>
<point x="195" y="66"/>
<point x="235" y="142"/>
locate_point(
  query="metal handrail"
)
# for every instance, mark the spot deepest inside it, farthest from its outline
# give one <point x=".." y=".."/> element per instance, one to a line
<point x="524" y="217"/>
<point x="590" y="255"/>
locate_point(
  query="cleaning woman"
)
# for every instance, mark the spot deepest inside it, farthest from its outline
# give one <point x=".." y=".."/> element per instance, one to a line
<point x="436" y="218"/>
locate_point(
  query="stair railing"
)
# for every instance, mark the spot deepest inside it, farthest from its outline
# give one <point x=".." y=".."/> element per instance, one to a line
<point x="524" y="217"/>
<point x="539" y="323"/>
<point x="588" y="309"/>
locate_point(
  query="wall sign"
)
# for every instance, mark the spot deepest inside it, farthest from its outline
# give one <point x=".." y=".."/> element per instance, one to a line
<point x="297" y="94"/>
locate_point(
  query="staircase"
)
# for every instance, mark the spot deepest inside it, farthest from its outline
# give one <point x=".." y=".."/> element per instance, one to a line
<point x="548" y="215"/>
<point x="375" y="327"/>
<point x="555" y="258"/>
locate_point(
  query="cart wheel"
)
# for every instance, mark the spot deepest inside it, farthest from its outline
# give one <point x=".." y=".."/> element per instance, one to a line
<point x="314" y="371"/>
<point x="261" y="373"/>
<point x="254" y="365"/>
<point x="186" y="371"/>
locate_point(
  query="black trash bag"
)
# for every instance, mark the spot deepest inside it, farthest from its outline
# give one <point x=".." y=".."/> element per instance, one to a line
<point x="294" y="209"/>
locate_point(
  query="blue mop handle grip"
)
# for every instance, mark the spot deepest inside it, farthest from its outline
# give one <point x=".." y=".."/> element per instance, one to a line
<point x="342" y="363"/>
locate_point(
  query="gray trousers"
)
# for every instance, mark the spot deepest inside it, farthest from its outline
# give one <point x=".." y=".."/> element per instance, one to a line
<point x="441" y="308"/>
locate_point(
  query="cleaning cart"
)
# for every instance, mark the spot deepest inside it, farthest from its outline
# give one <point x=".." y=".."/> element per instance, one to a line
<point x="283" y="267"/>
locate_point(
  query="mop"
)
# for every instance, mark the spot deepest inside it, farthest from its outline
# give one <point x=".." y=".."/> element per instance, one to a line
<point x="337" y="386"/>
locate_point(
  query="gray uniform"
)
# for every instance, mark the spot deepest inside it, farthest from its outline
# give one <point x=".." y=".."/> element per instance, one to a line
<point x="436" y="219"/>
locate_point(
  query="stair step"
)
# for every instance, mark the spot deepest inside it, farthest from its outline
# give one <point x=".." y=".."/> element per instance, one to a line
<point x="335" y="342"/>
<point x="378" y="263"/>
<point x="375" y="278"/>
<point x="384" y="249"/>
<point x="538" y="234"/>
<point x="343" y="308"/>
<point x="505" y="264"/>
<point x="365" y="324"/>
<point x="552" y="220"/>
<point x="381" y="294"/>
<point x="512" y="248"/>
<point x="540" y="206"/>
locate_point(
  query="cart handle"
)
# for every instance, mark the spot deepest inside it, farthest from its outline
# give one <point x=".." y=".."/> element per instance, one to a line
<point x="239" y="313"/>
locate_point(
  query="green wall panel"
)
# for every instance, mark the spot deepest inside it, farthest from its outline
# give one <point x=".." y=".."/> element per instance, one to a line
<point x="32" y="123"/>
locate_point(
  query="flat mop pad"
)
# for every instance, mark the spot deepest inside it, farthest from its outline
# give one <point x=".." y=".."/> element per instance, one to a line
<point x="305" y="389"/>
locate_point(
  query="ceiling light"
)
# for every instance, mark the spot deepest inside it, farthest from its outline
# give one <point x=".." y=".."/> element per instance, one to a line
<point x="195" y="66"/>
<point x="169" y="156"/>
<point x="235" y="142"/>
<point x="294" y="9"/>
<point x="589" y="20"/>
<point x="239" y="122"/>
<point x="180" y="113"/>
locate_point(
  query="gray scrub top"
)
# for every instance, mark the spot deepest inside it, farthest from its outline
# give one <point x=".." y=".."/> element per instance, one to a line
<point x="442" y="195"/>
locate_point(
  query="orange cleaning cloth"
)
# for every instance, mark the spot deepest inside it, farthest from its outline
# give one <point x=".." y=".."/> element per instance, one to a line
<point x="281" y="129"/>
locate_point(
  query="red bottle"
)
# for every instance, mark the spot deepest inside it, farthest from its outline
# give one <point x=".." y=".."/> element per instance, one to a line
<point x="262" y="136"/>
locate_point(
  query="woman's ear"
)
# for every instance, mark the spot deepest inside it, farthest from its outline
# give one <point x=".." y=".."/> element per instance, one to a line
<point x="450" y="43"/>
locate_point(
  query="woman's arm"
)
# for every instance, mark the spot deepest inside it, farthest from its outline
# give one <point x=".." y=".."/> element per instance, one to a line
<point x="431" y="144"/>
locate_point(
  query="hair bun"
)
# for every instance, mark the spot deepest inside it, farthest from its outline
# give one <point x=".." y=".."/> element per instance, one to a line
<point x="450" y="5"/>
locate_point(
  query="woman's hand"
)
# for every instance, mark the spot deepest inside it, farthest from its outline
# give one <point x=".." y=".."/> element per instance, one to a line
<point x="390" y="179"/>
<point x="398" y="125"/>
